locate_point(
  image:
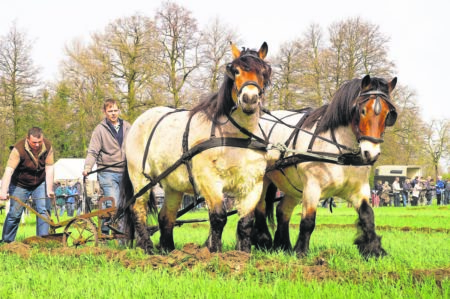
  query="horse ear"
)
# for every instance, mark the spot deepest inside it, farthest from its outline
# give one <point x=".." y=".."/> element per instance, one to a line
<point x="235" y="51"/>
<point x="365" y="83"/>
<point x="263" y="50"/>
<point x="392" y="84"/>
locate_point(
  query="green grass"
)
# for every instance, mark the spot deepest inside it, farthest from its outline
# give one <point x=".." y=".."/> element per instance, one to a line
<point x="44" y="275"/>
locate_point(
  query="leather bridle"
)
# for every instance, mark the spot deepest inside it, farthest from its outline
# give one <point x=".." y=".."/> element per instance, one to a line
<point x="391" y="117"/>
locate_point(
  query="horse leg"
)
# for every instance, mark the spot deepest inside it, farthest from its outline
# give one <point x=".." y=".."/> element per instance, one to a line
<point x="367" y="241"/>
<point x="217" y="221"/>
<point x="260" y="234"/>
<point x="311" y="196"/>
<point x="139" y="216"/>
<point x="244" y="231"/>
<point x="167" y="218"/>
<point x="285" y="208"/>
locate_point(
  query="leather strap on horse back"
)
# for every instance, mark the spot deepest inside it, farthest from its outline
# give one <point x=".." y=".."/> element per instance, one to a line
<point x="296" y="131"/>
<point x="147" y="146"/>
<point x="188" y="163"/>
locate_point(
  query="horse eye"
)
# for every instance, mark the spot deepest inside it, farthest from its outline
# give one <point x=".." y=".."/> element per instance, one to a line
<point x="363" y="112"/>
<point x="235" y="71"/>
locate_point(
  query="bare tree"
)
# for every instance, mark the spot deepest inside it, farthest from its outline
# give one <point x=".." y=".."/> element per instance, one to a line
<point x="312" y="62"/>
<point x="285" y="87"/>
<point x="18" y="77"/>
<point x="180" y="39"/>
<point x="358" y="48"/>
<point x="215" y="53"/>
<point x="129" y="49"/>
<point x="437" y="142"/>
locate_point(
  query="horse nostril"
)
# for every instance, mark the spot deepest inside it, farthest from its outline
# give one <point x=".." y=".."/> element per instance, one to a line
<point x="376" y="157"/>
<point x="368" y="157"/>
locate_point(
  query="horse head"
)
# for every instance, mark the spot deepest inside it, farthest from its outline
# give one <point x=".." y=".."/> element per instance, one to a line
<point x="251" y="75"/>
<point x="372" y="112"/>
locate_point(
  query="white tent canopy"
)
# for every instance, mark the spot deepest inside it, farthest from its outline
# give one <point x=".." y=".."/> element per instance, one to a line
<point x="71" y="169"/>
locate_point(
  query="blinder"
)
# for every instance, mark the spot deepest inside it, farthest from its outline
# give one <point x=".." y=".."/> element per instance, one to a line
<point x="230" y="71"/>
<point x="391" y="117"/>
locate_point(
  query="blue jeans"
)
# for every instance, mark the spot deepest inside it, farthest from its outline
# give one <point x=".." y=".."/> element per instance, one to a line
<point x="43" y="207"/>
<point x="70" y="208"/>
<point x="110" y="184"/>
<point x="405" y="199"/>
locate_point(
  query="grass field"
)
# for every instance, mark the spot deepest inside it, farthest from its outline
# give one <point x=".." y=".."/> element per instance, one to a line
<point x="416" y="239"/>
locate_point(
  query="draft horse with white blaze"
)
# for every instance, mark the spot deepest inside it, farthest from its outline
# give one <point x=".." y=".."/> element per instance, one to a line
<point x="207" y="151"/>
<point x="345" y="135"/>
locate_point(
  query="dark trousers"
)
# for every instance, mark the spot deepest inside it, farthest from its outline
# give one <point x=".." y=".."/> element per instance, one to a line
<point x="396" y="199"/>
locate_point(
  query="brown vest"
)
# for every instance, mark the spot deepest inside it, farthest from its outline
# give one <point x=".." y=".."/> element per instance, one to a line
<point x="30" y="172"/>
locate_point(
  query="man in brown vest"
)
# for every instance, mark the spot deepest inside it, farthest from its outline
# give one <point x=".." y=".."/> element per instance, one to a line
<point x="29" y="167"/>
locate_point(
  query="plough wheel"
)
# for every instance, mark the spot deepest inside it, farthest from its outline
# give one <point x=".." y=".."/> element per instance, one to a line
<point x="79" y="232"/>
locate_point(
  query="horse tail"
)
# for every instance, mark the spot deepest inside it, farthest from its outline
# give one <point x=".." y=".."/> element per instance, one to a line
<point x="126" y="193"/>
<point x="270" y="200"/>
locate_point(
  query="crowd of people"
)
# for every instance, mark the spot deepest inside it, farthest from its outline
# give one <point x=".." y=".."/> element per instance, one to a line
<point x="68" y="198"/>
<point x="418" y="191"/>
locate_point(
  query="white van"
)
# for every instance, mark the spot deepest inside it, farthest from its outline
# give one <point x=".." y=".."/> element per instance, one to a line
<point x="390" y="172"/>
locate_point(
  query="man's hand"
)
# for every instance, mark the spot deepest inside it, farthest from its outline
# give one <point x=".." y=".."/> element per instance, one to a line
<point x="85" y="173"/>
<point x="3" y="197"/>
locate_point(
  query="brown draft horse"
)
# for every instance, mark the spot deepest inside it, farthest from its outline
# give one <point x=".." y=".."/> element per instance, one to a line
<point x="351" y="126"/>
<point x="232" y="112"/>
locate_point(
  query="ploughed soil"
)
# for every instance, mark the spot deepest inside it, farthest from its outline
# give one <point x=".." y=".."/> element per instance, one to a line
<point x="231" y="262"/>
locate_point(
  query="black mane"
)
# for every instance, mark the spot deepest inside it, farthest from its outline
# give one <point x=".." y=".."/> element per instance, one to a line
<point x="339" y="111"/>
<point x="221" y="103"/>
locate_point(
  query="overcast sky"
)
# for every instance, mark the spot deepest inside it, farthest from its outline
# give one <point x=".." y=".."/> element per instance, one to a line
<point x="418" y="31"/>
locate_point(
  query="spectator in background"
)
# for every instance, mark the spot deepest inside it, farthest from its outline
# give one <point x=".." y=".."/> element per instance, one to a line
<point x="61" y="194"/>
<point x="79" y="198"/>
<point x="440" y="187"/>
<point x="429" y="190"/>
<point x="385" y="194"/>
<point x="376" y="193"/>
<point x="415" y="181"/>
<point x="396" y="189"/>
<point x="158" y="192"/>
<point x="447" y="192"/>
<point x="406" y="190"/>
<point x="70" y="203"/>
<point x="416" y="193"/>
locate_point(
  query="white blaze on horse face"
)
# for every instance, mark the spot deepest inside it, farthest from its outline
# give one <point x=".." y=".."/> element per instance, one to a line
<point x="370" y="151"/>
<point x="249" y="99"/>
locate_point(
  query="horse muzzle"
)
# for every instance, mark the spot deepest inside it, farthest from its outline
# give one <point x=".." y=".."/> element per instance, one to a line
<point x="249" y="97"/>
<point x="370" y="152"/>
